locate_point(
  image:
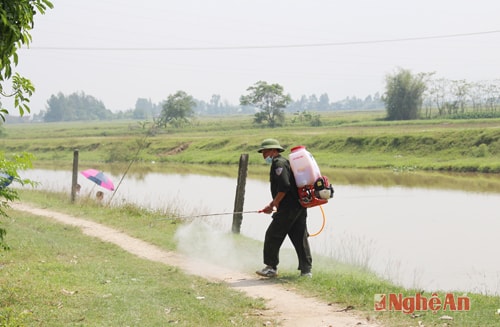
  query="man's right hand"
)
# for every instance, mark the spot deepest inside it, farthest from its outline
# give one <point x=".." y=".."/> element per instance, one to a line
<point x="268" y="209"/>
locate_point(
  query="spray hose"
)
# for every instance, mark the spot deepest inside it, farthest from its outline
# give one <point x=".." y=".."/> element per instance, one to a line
<point x="322" y="224"/>
<point x="242" y="212"/>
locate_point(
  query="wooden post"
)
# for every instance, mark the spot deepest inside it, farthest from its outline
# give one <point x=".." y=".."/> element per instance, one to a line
<point x="240" y="194"/>
<point x="74" y="180"/>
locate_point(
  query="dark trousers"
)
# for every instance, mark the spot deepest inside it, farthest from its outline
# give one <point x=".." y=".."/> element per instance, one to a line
<point x="292" y="223"/>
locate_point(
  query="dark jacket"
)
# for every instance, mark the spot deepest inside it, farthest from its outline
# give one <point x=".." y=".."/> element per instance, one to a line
<point x="282" y="180"/>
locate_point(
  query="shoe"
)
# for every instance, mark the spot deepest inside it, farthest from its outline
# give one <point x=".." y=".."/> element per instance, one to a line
<point x="306" y="274"/>
<point x="267" y="271"/>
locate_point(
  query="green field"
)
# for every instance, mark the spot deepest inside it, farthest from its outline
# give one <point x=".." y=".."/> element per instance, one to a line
<point x="345" y="140"/>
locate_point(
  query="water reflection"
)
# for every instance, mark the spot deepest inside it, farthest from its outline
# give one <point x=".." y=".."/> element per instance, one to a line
<point x="421" y="230"/>
<point x="469" y="182"/>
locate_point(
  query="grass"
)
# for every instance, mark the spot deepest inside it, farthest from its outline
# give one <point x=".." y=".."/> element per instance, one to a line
<point x="54" y="275"/>
<point x="345" y="140"/>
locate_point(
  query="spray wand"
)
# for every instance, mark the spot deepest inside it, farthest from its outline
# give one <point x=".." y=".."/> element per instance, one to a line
<point x="210" y="214"/>
<point x="242" y="212"/>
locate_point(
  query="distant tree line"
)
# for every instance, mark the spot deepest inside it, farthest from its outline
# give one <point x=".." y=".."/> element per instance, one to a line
<point x="313" y="103"/>
<point x="79" y="106"/>
<point x="445" y="97"/>
<point x="415" y="96"/>
<point x="407" y="96"/>
<point x="145" y="109"/>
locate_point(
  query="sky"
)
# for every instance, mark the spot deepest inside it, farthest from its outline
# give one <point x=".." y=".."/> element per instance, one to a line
<point x="120" y="50"/>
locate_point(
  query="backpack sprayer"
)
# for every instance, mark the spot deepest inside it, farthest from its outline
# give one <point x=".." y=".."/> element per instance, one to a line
<point x="313" y="188"/>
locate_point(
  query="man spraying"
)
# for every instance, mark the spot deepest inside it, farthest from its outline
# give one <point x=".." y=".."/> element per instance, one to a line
<point x="289" y="216"/>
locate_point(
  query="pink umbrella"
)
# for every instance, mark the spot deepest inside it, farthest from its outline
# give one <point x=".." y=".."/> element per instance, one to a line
<point x="99" y="178"/>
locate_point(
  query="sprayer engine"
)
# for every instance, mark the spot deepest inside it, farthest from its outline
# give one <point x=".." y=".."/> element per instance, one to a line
<point x="316" y="194"/>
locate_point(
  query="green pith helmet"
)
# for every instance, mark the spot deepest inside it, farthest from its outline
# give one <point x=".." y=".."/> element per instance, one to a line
<point x="270" y="144"/>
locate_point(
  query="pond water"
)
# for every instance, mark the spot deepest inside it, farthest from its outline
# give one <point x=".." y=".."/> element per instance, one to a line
<point x="436" y="239"/>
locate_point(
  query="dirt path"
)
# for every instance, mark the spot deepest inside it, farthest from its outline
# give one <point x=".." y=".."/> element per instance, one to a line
<point x="284" y="306"/>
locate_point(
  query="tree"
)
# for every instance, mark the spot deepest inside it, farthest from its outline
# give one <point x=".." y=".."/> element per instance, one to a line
<point x="177" y="110"/>
<point x="76" y="106"/>
<point x="215" y="101"/>
<point x="324" y="102"/>
<point x="9" y="171"/>
<point x="269" y="98"/>
<point x="404" y="94"/>
<point x="143" y="109"/>
<point x="16" y="21"/>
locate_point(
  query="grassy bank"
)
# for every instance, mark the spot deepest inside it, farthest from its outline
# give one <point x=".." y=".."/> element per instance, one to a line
<point x="345" y="140"/>
<point x="53" y="275"/>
